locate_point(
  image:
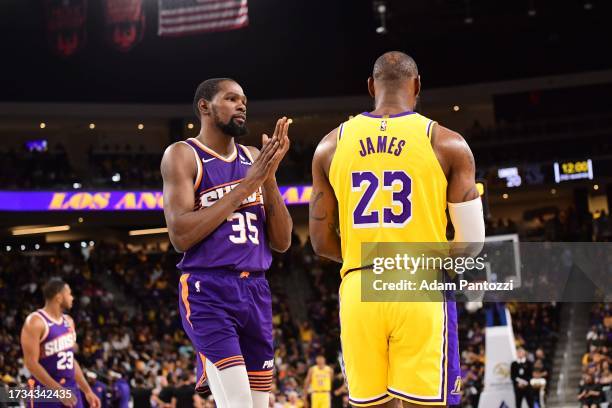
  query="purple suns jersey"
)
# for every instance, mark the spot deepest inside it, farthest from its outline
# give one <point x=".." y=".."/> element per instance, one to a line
<point x="240" y="242"/>
<point x="57" y="349"/>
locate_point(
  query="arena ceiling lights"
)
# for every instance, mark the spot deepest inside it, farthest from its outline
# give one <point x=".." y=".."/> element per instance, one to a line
<point x="37" y="229"/>
<point x="149" y="231"/>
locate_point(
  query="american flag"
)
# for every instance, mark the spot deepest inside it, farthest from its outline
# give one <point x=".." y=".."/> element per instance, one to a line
<point x="185" y="17"/>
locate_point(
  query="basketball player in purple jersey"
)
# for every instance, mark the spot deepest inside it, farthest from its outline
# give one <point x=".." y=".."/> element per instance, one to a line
<point x="225" y="212"/>
<point x="48" y="339"/>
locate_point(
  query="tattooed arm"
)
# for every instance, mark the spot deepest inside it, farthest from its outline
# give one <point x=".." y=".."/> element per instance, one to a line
<point x="464" y="204"/>
<point x="323" y="216"/>
<point x="457" y="162"/>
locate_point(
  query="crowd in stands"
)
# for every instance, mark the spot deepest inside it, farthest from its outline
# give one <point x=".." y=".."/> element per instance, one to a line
<point x="520" y="129"/>
<point x="558" y="225"/>
<point x="127" y="169"/>
<point x="131" y="166"/>
<point x="123" y="333"/>
<point x="22" y="169"/>
<point x="596" y="384"/>
<point x="535" y="327"/>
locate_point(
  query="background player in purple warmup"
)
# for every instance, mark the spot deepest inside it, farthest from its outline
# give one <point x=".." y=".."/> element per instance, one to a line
<point x="225" y="212"/>
<point x="48" y="338"/>
<point x="98" y="388"/>
<point x="121" y="390"/>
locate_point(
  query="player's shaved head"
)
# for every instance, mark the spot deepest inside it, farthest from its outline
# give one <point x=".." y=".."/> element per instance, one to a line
<point x="394" y="66"/>
<point x="395" y="82"/>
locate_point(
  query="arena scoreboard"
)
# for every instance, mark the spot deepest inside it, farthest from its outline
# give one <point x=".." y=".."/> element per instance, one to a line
<point x="533" y="174"/>
<point x="573" y="170"/>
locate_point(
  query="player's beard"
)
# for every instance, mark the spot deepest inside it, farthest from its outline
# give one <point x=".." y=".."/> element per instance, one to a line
<point x="231" y="128"/>
<point x="65" y="306"/>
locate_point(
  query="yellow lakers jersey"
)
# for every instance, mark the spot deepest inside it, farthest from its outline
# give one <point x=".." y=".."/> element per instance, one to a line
<point x="388" y="182"/>
<point x="321" y="379"/>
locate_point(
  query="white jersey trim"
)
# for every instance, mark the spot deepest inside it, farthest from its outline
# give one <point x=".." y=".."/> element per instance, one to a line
<point x="198" y="179"/>
<point x="46" y="332"/>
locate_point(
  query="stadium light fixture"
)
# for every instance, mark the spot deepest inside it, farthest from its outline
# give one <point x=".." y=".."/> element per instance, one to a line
<point x="42" y="125"/>
<point x="8" y="248"/>
<point x="468" y="13"/>
<point x="67" y="245"/>
<point x="148" y="231"/>
<point x="76" y="186"/>
<point x="92" y="125"/>
<point x="37" y="247"/>
<point x="140" y="126"/>
<point x="380" y="7"/>
<point x="39" y="230"/>
<point x="505" y="196"/>
<point x="531" y="12"/>
<point x="596" y="187"/>
<point x="116" y="177"/>
<point x="190" y="125"/>
<point x="22" y="247"/>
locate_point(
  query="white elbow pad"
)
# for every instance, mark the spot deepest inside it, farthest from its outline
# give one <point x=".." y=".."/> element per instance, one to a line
<point x="468" y="220"/>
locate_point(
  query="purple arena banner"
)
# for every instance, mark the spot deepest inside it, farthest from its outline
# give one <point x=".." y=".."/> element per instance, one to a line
<point x="79" y="200"/>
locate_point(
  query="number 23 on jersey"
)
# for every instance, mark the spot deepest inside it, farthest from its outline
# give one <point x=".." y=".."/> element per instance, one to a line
<point x="371" y="185"/>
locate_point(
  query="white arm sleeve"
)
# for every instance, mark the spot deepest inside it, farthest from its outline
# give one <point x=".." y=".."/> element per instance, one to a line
<point x="468" y="221"/>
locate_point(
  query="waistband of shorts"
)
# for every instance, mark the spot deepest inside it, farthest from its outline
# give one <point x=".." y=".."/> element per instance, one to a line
<point x="228" y="273"/>
<point x="359" y="268"/>
<point x="66" y="383"/>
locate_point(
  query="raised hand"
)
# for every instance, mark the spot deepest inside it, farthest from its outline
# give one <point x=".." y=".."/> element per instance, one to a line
<point x="281" y="133"/>
<point x="262" y="166"/>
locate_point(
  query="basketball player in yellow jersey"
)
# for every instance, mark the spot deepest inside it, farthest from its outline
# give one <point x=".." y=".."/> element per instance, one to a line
<point x="318" y="383"/>
<point x="389" y="176"/>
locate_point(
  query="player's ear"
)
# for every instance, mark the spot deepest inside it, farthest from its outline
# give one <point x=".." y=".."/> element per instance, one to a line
<point x="417" y="86"/>
<point x="371" y="87"/>
<point x="204" y="106"/>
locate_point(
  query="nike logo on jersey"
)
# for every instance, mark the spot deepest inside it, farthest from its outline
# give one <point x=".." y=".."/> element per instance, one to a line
<point x="207" y="160"/>
<point x="244" y="160"/>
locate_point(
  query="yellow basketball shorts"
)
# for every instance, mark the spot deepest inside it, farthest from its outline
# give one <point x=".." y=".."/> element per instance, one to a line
<point x="320" y="399"/>
<point x="405" y="350"/>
